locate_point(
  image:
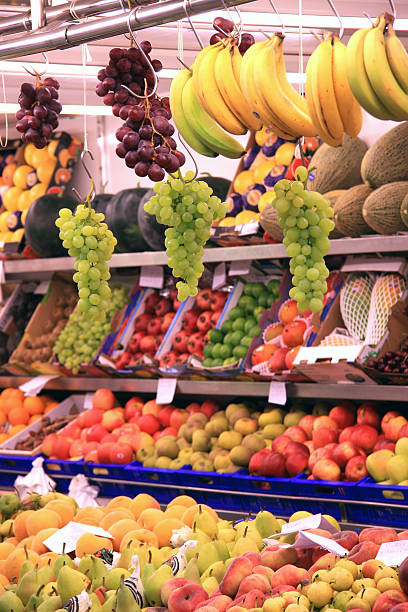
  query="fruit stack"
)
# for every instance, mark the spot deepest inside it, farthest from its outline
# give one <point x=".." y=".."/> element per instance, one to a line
<point x="186" y="558"/>
<point x="18" y="411"/>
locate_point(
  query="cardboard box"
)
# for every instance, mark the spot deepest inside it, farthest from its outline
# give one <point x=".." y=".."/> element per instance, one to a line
<point x="70" y="406"/>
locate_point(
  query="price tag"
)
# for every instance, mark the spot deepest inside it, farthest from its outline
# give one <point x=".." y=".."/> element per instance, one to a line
<point x="42" y="287"/>
<point x="309" y="540"/>
<point x="220" y="276"/>
<point x="393" y="553"/>
<point x="277" y="393"/>
<point x="166" y="388"/>
<point x="240" y="268"/>
<point x="70" y="534"/>
<point x="151" y="276"/>
<point x="88" y="401"/>
<point x="35" y="385"/>
<point x="249" y="228"/>
<point x="310" y="522"/>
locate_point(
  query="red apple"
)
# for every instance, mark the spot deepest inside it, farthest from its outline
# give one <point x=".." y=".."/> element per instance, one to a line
<point x="95" y="433"/>
<point x="280" y="443"/>
<point x="306" y="423"/>
<point x="133" y="407"/>
<point x="296" y="433"/>
<point x="276" y="363"/>
<point x="148" y="423"/>
<point x="186" y="598"/>
<point x="343" y="416"/>
<point x="323" y="436"/>
<point x="112" y="419"/>
<point x="403" y="574"/>
<point x="166" y="321"/>
<point x="393" y="427"/>
<point x="293" y="333"/>
<point x="178" y="417"/>
<point x="262" y="353"/>
<point x="291" y="356"/>
<point x="316" y="455"/>
<point x="288" y="311"/>
<point x="104" y="452"/>
<point x="345" y="435"/>
<point x="209" y="407"/>
<point x="344" y="452"/>
<point x="274" y="465"/>
<point x="388" y="599"/>
<point x="256" y="462"/>
<point x="369" y="414"/>
<point x="296" y="463"/>
<point x="103" y="399"/>
<point x="356" y="469"/>
<point x="121" y="453"/>
<point x="326" y="422"/>
<point x="364" y="436"/>
<point x="164" y="415"/>
<point x="388" y="416"/>
<point x="326" y="469"/>
<point x="294" y="447"/>
<point x="47" y="446"/>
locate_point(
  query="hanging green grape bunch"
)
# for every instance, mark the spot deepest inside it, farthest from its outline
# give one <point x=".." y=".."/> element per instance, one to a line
<point x="88" y="239"/>
<point x="305" y="218"/>
<point x="188" y="207"/>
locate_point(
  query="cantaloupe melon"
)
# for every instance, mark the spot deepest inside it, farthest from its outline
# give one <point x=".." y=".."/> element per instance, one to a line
<point x="386" y="160"/>
<point x="348" y="215"/>
<point x="337" y="167"/>
<point x="269" y="222"/>
<point x="332" y="196"/>
<point x="382" y="208"/>
<point x="404" y="210"/>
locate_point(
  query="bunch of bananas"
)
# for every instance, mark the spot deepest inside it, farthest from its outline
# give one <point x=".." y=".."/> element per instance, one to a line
<point x="332" y="106"/>
<point x="377" y="70"/>
<point x="264" y="83"/>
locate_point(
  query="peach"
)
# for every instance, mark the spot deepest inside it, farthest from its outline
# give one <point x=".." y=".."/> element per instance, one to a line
<point x="378" y="535"/>
<point x="363" y="552"/>
<point x="327" y="561"/>
<point x="276" y="559"/>
<point x="389" y="599"/>
<point x="289" y="574"/>
<point x="238" y="569"/>
<point x="254" y="581"/>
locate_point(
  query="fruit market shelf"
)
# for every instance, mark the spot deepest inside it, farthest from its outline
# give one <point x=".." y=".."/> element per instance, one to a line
<point x="222" y="388"/>
<point x="342" y="246"/>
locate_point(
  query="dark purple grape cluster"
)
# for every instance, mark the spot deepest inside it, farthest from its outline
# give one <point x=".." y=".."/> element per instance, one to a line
<point x="226" y="29"/>
<point x="39" y="109"/>
<point x="128" y="71"/>
<point x="392" y="362"/>
<point x="145" y="139"/>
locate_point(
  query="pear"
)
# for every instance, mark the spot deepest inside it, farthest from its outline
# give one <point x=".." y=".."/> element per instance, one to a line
<point x="156" y="557"/>
<point x="222" y="549"/>
<point x="98" y="572"/>
<point x="147" y="573"/>
<point x="62" y="560"/>
<point x="217" y="570"/>
<point x="10" y="601"/>
<point x="267" y="523"/>
<point x="45" y="575"/>
<point x="153" y="587"/>
<point x="50" y="590"/>
<point x="124" y="600"/>
<point x="96" y="604"/>
<point x="50" y="604"/>
<point x="206" y="556"/>
<point x="200" y="537"/>
<point x="227" y="534"/>
<point x="85" y="565"/>
<point x="125" y="558"/>
<point x="191" y="572"/>
<point x="113" y="578"/>
<point x="70" y="582"/>
<point x="26" y="567"/>
<point x="6" y="528"/>
<point x="204" y="521"/>
<point x="110" y="603"/>
<point x="244" y="543"/>
<point x="210" y="584"/>
<point x="248" y="528"/>
<point x="28" y="585"/>
<point x="34" y="601"/>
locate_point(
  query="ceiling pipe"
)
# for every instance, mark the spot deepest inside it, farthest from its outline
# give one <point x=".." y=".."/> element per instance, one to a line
<point x="64" y="12"/>
<point x="66" y="36"/>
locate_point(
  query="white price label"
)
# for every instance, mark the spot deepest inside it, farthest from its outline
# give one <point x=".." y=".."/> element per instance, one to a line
<point x="42" y="287"/>
<point x="249" y="228"/>
<point x="88" y="401"/>
<point x="310" y="522"/>
<point x="310" y="540"/>
<point x="35" y="385"/>
<point x="151" y="276"/>
<point x="277" y="393"/>
<point x="220" y="276"/>
<point x="166" y="388"/>
<point x="240" y="268"/>
<point x="393" y="553"/>
<point x="70" y="534"/>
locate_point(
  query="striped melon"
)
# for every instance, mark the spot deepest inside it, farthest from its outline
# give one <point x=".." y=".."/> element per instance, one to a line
<point x="337" y="167"/>
<point x="382" y="208"/>
<point x="269" y="222"/>
<point x="386" y="160"/>
<point x="348" y="215"/>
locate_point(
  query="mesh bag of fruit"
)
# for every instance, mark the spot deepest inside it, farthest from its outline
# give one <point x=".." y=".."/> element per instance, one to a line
<point x="355" y="296"/>
<point x="338" y="340"/>
<point x="386" y="292"/>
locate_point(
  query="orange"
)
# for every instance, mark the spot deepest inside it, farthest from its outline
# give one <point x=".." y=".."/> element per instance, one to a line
<point x="182" y="500"/>
<point x="89" y="516"/>
<point x="175" y="512"/>
<point x="3" y="417"/>
<point x="164" y="530"/>
<point x="34" y="418"/>
<point x="12" y="541"/>
<point x="15" y="560"/>
<point x="141" y="502"/>
<point x="42" y="519"/>
<point x="8" y="403"/>
<point x="19" y="524"/>
<point x="113" y="517"/>
<point x="5" y="549"/>
<point x="150" y="517"/>
<point x="190" y="513"/>
<point x="63" y="508"/>
<point x="12" y="392"/>
<point x="42" y="535"/>
<point x="3" y="437"/>
<point x="15" y="430"/>
<point x="139" y="535"/>
<point x="120" y="529"/>
<point x="18" y="415"/>
<point x="50" y="407"/>
<point x="33" y="405"/>
<point x="90" y="544"/>
<point x="119" y="502"/>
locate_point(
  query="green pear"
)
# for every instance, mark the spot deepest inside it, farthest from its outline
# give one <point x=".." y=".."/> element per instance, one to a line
<point x="27" y="566"/>
<point x="110" y="603"/>
<point x="272" y="417"/>
<point x="50" y="590"/>
<point x="204" y="521"/>
<point x="217" y="570"/>
<point x="293" y="417"/>
<point x="85" y="565"/>
<point x="124" y="600"/>
<point x="227" y="534"/>
<point x="60" y="561"/>
<point x="266" y="523"/>
<point x="207" y="555"/>
<point x="70" y="582"/>
<point x="147" y="573"/>
<point x="45" y="575"/>
<point x="376" y="464"/>
<point x="96" y="604"/>
<point x="34" y="600"/>
<point x="201" y="538"/>
<point x="248" y="528"/>
<point x="156" y="557"/>
<point x="222" y="549"/>
<point x="191" y="572"/>
<point x="113" y="578"/>
<point x="10" y="601"/>
<point x="28" y="585"/>
<point x="50" y="604"/>
<point x="97" y="573"/>
<point x="210" y="584"/>
<point x="244" y="543"/>
<point x="153" y="587"/>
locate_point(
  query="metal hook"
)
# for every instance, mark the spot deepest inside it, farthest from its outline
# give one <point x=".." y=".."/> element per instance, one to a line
<point x="238" y="28"/>
<point x="192" y="157"/>
<point x="35" y="73"/>
<point x="335" y="11"/>
<point x="278" y="15"/>
<point x="368" y="17"/>
<point x="200" y="42"/>
<point x="156" y="80"/>
<point x="393" y="8"/>
<point x="92" y="193"/>
<point x="125" y="11"/>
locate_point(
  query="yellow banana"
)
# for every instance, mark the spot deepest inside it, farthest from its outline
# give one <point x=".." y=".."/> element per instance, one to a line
<point x="326" y="91"/>
<point x="209" y="95"/>
<point x="313" y="100"/>
<point x="380" y="74"/>
<point x="267" y="115"/>
<point x="236" y="60"/>
<point x="397" y="57"/>
<point x="230" y="89"/>
<point x="183" y="126"/>
<point x="349" y="109"/>
<point x="287" y="87"/>
<point x="205" y="127"/>
<point x="268" y="85"/>
<point x="358" y="78"/>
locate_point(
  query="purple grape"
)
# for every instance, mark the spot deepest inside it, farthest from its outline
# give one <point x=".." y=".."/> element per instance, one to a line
<point x="137" y="67"/>
<point x="40" y="111"/>
<point x="21" y="125"/>
<point x="157" y="65"/>
<point x="136" y="114"/>
<point x="116" y="109"/>
<point x="155" y="173"/>
<point x="126" y="78"/>
<point x="135" y="87"/>
<point x="120" y="132"/>
<point x="34" y="123"/>
<point x="24" y="101"/>
<point x="131" y="140"/>
<point x="173" y="164"/>
<point x="216" y="38"/>
<point x="146" y="153"/>
<point x="124" y="65"/>
<point x="116" y="54"/>
<point x="54" y="93"/>
<point x="46" y="130"/>
<point x="131" y="159"/>
<point x="28" y="90"/>
<point x="52" y="116"/>
<point x="109" y="83"/>
<point x="40" y="142"/>
<point x="101" y="74"/>
<point x="132" y="100"/>
<point x="170" y="142"/>
<point x="223" y="25"/>
<point x="142" y="168"/>
<point x="150" y="78"/>
<point x="133" y="54"/>
<point x="120" y="150"/>
<point x="181" y="157"/>
<point x="101" y="90"/>
<point x="157" y="140"/>
<point x="109" y="99"/>
<point x="20" y="114"/>
<point x="121" y="97"/>
<point x="146" y="46"/>
<point x="55" y="106"/>
<point x="124" y="112"/>
<point x="162" y="149"/>
<point x="161" y="125"/>
<point x="111" y="71"/>
<point x="51" y="82"/>
<point x="247" y="40"/>
<point x="146" y="132"/>
<point x="43" y="95"/>
<point x="170" y="130"/>
<point x="162" y="159"/>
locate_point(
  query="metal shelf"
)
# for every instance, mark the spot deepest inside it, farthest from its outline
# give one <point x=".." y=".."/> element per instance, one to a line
<point x="342" y="246"/>
<point x="223" y="388"/>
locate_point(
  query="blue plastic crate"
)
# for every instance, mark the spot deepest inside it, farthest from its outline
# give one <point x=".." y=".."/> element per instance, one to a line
<point x="263" y="484"/>
<point x="331" y="489"/>
<point x="377" y="515"/>
<point x="7" y="479"/>
<point x="369" y="490"/>
<point x="61" y="466"/>
<point x="99" y="471"/>
<point x="17" y="463"/>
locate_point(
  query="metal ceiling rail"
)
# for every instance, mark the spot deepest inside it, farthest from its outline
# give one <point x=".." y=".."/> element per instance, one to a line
<point x="64" y="12"/>
<point x="70" y="35"/>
